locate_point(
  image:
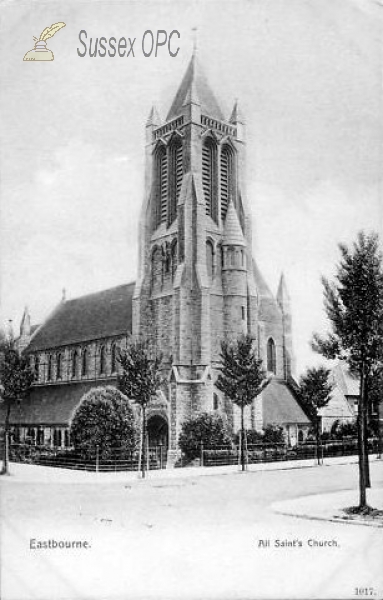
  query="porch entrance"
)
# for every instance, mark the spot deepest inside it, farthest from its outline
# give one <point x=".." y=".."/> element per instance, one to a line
<point x="158" y="439"/>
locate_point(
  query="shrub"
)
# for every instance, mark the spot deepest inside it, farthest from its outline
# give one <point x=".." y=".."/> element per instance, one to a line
<point x="341" y="430"/>
<point x="104" y="419"/>
<point x="252" y="437"/>
<point x="273" y="434"/>
<point x="207" y="429"/>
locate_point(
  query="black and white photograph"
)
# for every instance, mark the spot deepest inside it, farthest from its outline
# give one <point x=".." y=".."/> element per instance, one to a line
<point x="191" y="300"/>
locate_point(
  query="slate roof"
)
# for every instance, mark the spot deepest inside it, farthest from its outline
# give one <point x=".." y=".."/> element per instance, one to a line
<point x="280" y="405"/>
<point x="195" y="85"/>
<point x="94" y="316"/>
<point x="52" y="405"/>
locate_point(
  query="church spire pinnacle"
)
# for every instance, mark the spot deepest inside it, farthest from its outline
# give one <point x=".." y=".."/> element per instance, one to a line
<point x="236" y="114"/>
<point x="283" y="296"/>
<point x="196" y="89"/>
<point x="153" y="118"/>
<point x="195" y="40"/>
<point x="25" y="325"/>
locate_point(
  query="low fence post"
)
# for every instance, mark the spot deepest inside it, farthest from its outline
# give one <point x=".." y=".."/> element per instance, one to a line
<point x="7" y="449"/>
<point x="201" y="454"/>
<point x="97" y="458"/>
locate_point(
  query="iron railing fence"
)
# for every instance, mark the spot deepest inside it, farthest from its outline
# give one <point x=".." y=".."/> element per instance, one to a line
<point x="255" y="453"/>
<point x="112" y="459"/>
<point x="124" y="459"/>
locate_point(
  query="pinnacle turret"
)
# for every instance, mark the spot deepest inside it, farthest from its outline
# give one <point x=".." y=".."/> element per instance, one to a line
<point x="232" y="233"/>
<point x="153" y="118"/>
<point x="236" y="114"/>
<point x="25" y="325"/>
<point x="283" y="296"/>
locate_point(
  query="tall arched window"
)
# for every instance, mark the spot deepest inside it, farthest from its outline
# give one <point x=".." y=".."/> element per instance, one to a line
<point x="113" y="358"/>
<point x="210" y="259"/>
<point x="84" y="362"/>
<point x="59" y="365"/>
<point x="162" y="185"/>
<point x="174" y="258"/>
<point x="215" y="402"/>
<point x="176" y="174"/>
<point x="227" y="178"/>
<point x="271" y="356"/>
<point x="156" y="269"/>
<point x="102" y="360"/>
<point x="74" y="363"/>
<point x="49" y="367"/>
<point x="37" y="367"/>
<point x="209" y="177"/>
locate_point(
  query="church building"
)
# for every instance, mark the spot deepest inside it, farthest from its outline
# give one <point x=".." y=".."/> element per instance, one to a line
<point x="198" y="284"/>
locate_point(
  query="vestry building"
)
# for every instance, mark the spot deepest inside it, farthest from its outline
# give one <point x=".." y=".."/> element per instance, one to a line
<point x="197" y="285"/>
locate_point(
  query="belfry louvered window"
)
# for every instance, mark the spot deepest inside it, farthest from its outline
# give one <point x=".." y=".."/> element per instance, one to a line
<point x="162" y="185"/>
<point x="227" y="179"/>
<point x="209" y="177"/>
<point x="176" y="174"/>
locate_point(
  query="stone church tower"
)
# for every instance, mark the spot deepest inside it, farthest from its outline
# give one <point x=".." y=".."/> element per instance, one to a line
<point x="197" y="281"/>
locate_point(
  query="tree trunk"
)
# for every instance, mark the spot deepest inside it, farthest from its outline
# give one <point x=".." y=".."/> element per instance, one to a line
<point x="361" y="441"/>
<point x="366" y="458"/>
<point x="318" y="438"/>
<point x="367" y="415"/>
<point x="242" y="439"/>
<point x="379" y="430"/>
<point x="143" y="450"/>
<point x="5" y="469"/>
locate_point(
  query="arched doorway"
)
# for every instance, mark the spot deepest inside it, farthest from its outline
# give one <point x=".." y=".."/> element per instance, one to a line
<point x="158" y="431"/>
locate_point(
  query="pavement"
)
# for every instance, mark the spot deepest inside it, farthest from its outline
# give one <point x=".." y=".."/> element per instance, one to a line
<point x="320" y="507"/>
<point x="187" y="534"/>
<point x="314" y="507"/>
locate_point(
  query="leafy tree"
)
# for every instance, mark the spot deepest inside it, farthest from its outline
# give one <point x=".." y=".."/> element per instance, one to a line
<point x="104" y="419"/>
<point x="241" y="378"/>
<point x="315" y="393"/>
<point x="140" y="380"/>
<point x="354" y="306"/>
<point x="207" y="429"/>
<point x="16" y="378"/>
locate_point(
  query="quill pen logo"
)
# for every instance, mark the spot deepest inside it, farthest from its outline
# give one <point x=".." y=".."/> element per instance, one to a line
<point x="40" y="51"/>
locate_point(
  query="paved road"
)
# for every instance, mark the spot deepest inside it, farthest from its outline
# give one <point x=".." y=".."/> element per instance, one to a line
<point x="203" y="537"/>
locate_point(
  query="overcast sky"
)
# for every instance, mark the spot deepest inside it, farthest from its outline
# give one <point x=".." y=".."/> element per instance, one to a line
<point x="307" y="74"/>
